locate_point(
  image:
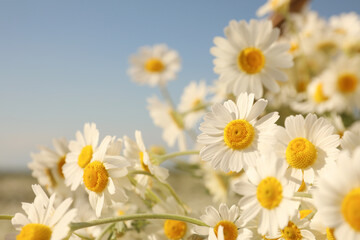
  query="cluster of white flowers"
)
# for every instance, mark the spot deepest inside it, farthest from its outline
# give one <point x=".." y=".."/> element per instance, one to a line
<point x="272" y="172"/>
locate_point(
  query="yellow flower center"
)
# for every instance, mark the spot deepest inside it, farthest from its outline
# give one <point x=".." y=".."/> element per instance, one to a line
<point x="301" y="86"/>
<point x="327" y="47"/>
<point x="304" y="213"/>
<point x="197" y="103"/>
<point x="350" y="208"/>
<point x="85" y="156"/>
<point x="319" y="95"/>
<point x="61" y="163"/>
<point x="300" y="153"/>
<point x="239" y="134"/>
<point x="230" y="229"/>
<point x="95" y="176"/>
<point x="269" y="192"/>
<point x="291" y="232"/>
<point x="347" y="83"/>
<point x="154" y="65"/>
<point x="251" y="60"/>
<point x="143" y="165"/>
<point x="330" y="234"/>
<point x="174" y="229"/>
<point x="34" y="231"/>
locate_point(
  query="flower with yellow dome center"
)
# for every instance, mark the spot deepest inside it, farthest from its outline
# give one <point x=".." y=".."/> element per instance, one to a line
<point x="267" y="193"/>
<point x="137" y="153"/>
<point x="343" y="82"/>
<point x="104" y="177"/>
<point x="296" y="229"/>
<point x="47" y="167"/>
<point x="174" y="229"/>
<point x="80" y="155"/>
<point x="233" y="136"/>
<point x="154" y="65"/>
<point x="224" y="223"/>
<point x="250" y="58"/>
<point x="338" y="197"/>
<point x="273" y="6"/>
<point x="42" y="221"/>
<point x="307" y="144"/>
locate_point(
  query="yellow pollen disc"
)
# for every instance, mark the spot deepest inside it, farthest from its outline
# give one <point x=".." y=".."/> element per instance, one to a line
<point x="327" y="47"/>
<point x="120" y="212"/>
<point x="34" y="231"/>
<point x="154" y="65"/>
<point x="300" y="153"/>
<point x="60" y="165"/>
<point x="239" y="134"/>
<point x="302" y="187"/>
<point x="350" y="208"/>
<point x="319" y="95"/>
<point x="301" y="86"/>
<point x="251" y="60"/>
<point x="330" y="234"/>
<point x="95" y="176"/>
<point x="143" y="165"/>
<point x="347" y="83"/>
<point x="174" y="229"/>
<point x="230" y="229"/>
<point x="304" y="213"/>
<point x="85" y="156"/>
<point x="291" y="232"/>
<point x="197" y="103"/>
<point x="269" y="192"/>
<point x="293" y="47"/>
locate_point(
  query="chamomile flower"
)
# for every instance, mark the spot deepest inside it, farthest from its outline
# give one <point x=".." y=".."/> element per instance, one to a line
<point x="169" y="120"/>
<point x="228" y="219"/>
<point x="296" y="229"/>
<point x="42" y="220"/>
<point x="338" y="197"/>
<point x="138" y="154"/>
<point x="193" y="103"/>
<point x="343" y="81"/>
<point x="81" y="153"/>
<point x="307" y="145"/>
<point x="267" y="194"/>
<point x="154" y="65"/>
<point x="232" y="134"/>
<point x="104" y="178"/>
<point x="273" y="6"/>
<point x="250" y="57"/>
<point x="47" y="166"/>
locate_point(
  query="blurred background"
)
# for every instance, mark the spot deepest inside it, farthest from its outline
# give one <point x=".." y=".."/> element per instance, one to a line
<point x="64" y="63"/>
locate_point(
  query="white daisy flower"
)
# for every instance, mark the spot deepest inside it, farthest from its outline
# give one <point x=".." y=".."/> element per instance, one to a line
<point x="268" y="195"/>
<point x="169" y="120"/>
<point x="250" y="58"/>
<point x="323" y="232"/>
<point x="296" y="229"/>
<point x="307" y="145"/>
<point x="105" y="178"/>
<point x="42" y="220"/>
<point x="193" y="103"/>
<point x="351" y="137"/>
<point x="273" y="6"/>
<point x="81" y="153"/>
<point x="154" y="65"/>
<point x="338" y="197"/>
<point x="228" y="219"/>
<point x="343" y="81"/>
<point x="232" y="134"/>
<point x="137" y="153"/>
<point x="316" y="100"/>
<point x="47" y="167"/>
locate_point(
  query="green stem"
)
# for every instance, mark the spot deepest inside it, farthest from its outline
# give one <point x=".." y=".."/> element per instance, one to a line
<point x="105" y="231"/>
<point x="6" y="217"/>
<point x="195" y="109"/>
<point x="78" y="225"/>
<point x="173" y="193"/>
<point x="166" y="95"/>
<point x="302" y="194"/>
<point x="176" y="154"/>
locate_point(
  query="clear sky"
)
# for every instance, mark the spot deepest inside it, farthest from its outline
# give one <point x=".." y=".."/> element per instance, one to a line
<point x="63" y="63"/>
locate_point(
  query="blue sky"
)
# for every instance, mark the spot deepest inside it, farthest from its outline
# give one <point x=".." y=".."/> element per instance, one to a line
<point x="63" y="63"/>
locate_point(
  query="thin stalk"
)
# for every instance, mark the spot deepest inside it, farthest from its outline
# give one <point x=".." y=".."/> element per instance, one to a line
<point x="173" y="193"/>
<point x="6" y="217"/>
<point x="302" y="194"/>
<point x="105" y="231"/>
<point x="176" y="154"/>
<point x="166" y="95"/>
<point x="79" y="225"/>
